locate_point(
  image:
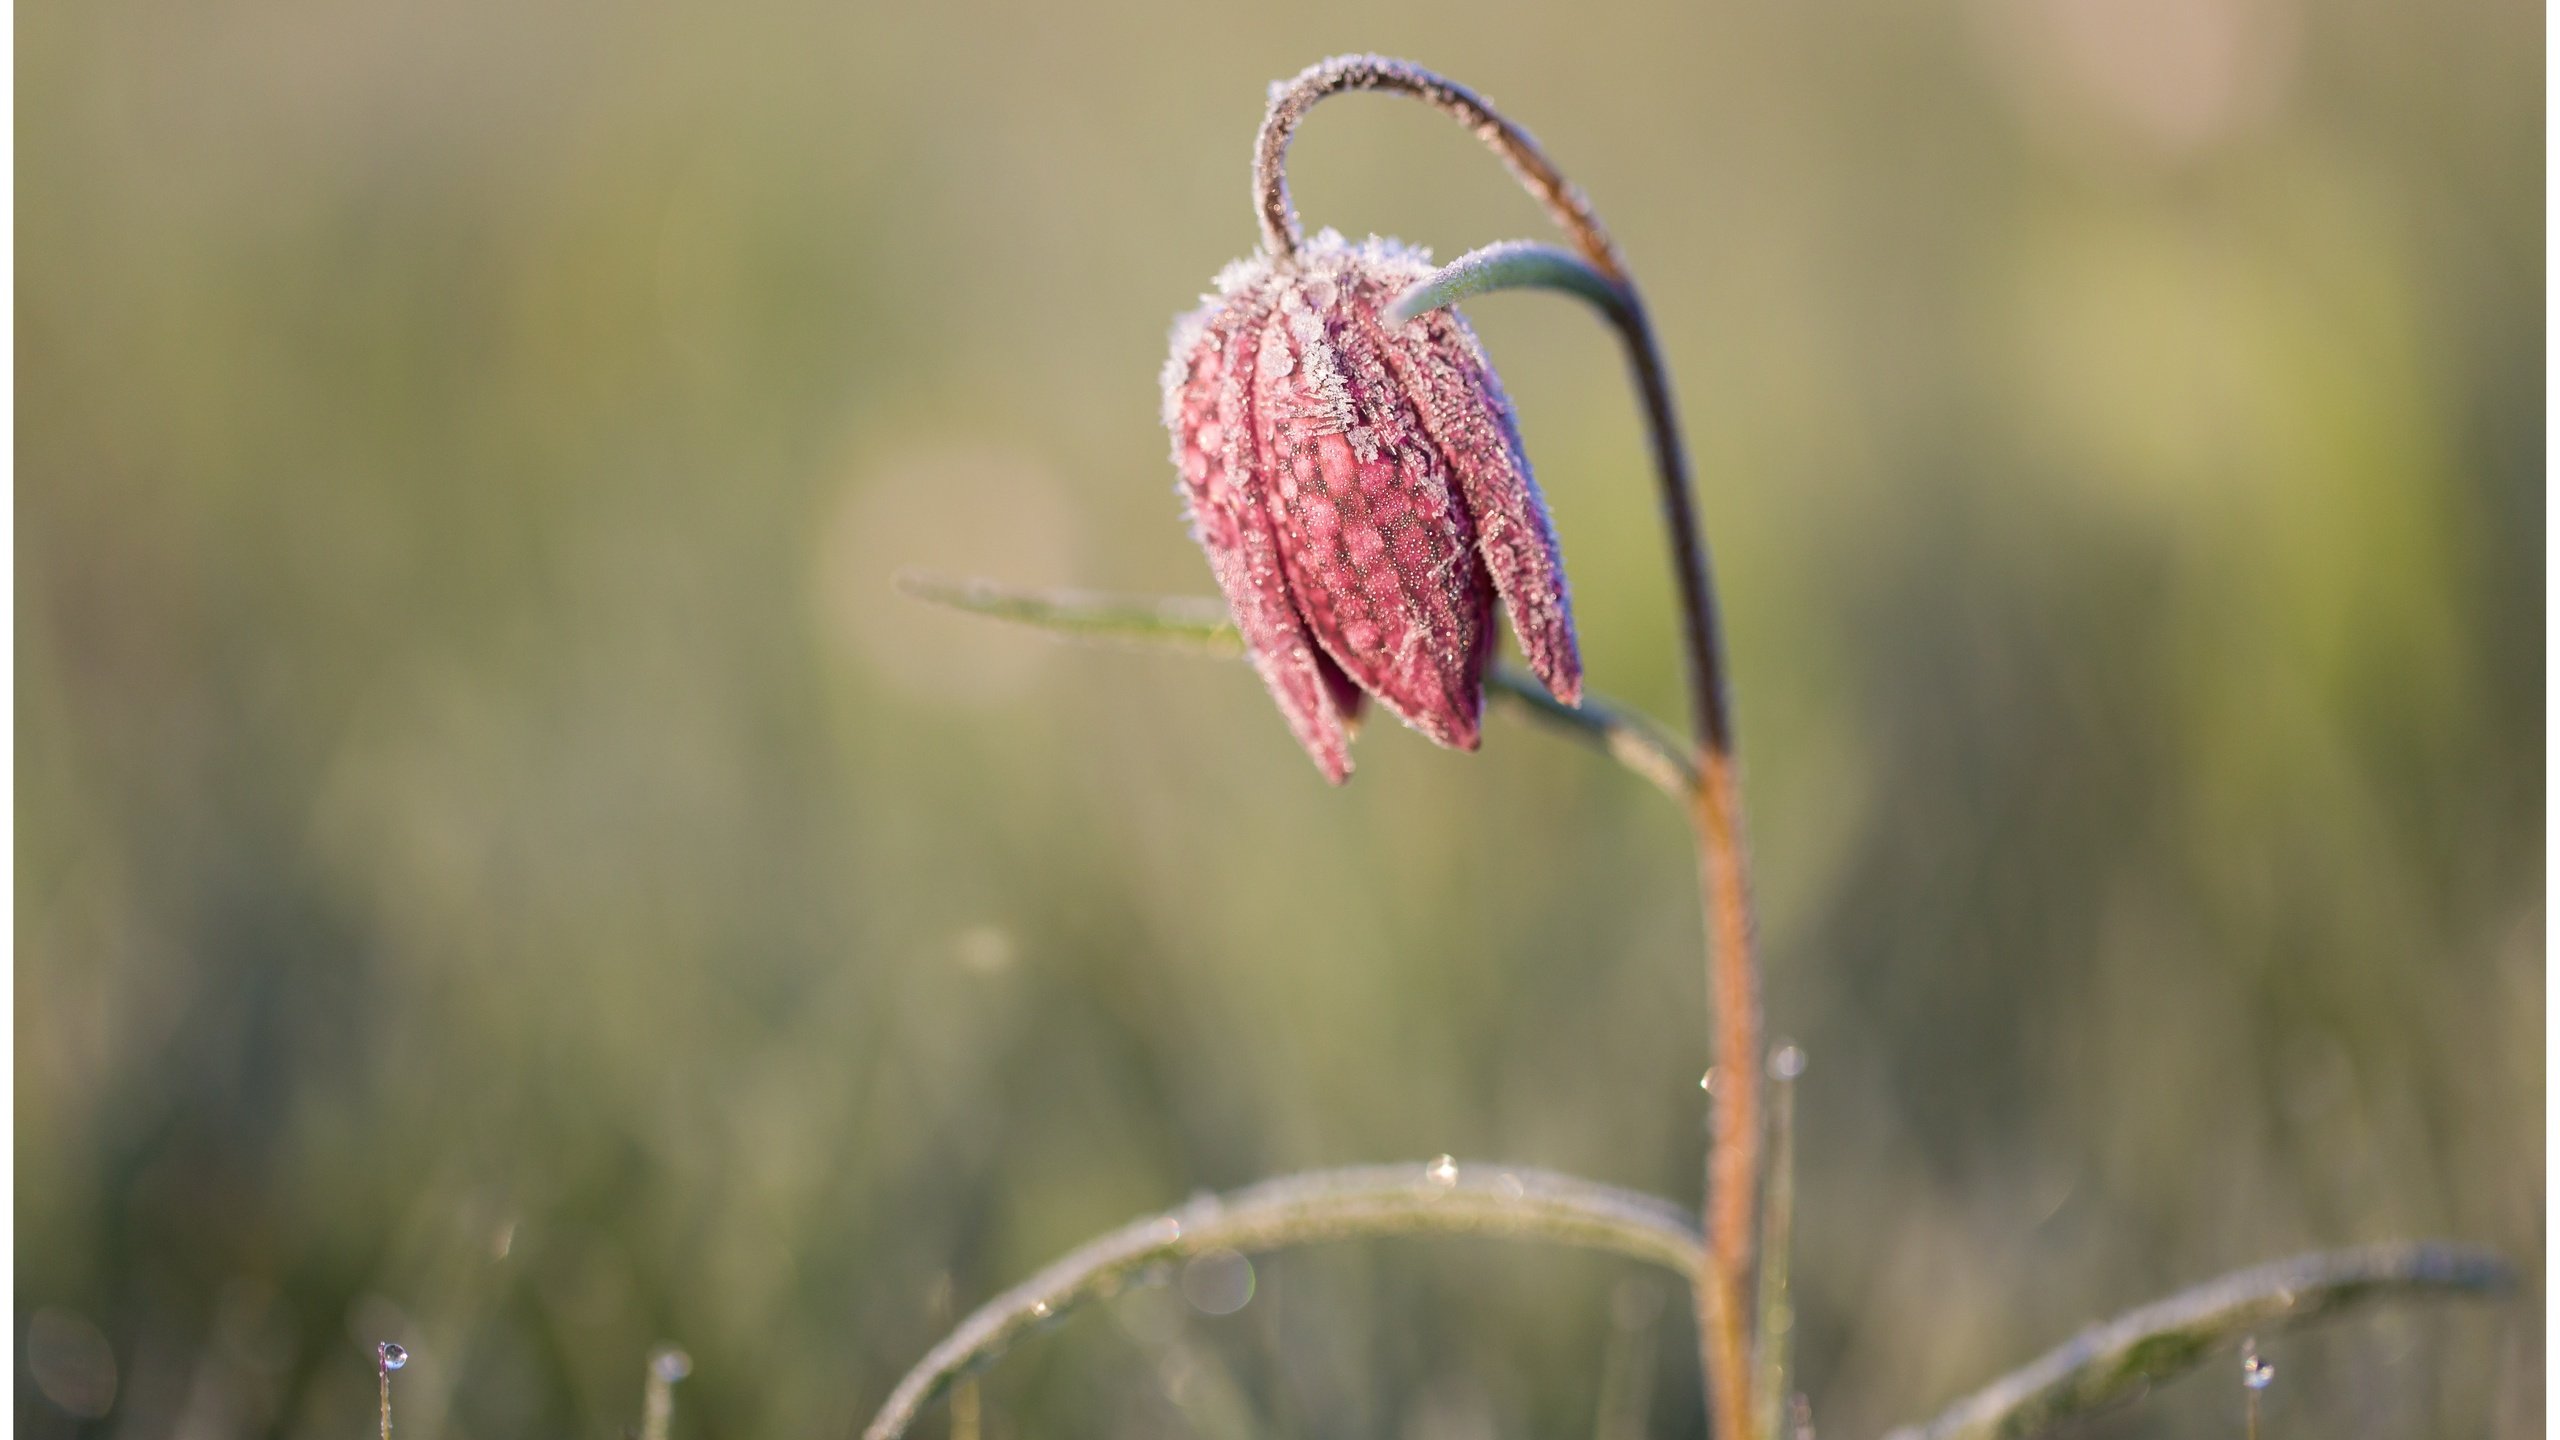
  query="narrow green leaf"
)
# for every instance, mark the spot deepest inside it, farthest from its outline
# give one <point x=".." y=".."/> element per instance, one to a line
<point x="2119" y="1358"/>
<point x="1174" y="622"/>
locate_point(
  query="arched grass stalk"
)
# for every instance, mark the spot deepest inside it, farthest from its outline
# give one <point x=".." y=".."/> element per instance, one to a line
<point x="1440" y="1198"/>
<point x="2116" y="1360"/>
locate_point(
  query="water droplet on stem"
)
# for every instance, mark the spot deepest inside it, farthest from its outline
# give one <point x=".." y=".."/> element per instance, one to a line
<point x="2255" y="1373"/>
<point x="1219" y="1282"/>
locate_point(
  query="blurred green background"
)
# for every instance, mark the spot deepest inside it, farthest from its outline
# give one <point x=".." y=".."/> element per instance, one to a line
<point x="498" y="868"/>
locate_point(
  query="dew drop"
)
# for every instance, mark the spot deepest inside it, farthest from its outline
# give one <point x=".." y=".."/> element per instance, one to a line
<point x="1508" y="1186"/>
<point x="1443" y="1172"/>
<point x="670" y="1363"/>
<point x="2255" y="1373"/>
<point x="392" y="1356"/>
<point x="1707" y="1082"/>
<point x="1787" y="1063"/>
<point x="1219" y="1282"/>
<point x="1040" y="1310"/>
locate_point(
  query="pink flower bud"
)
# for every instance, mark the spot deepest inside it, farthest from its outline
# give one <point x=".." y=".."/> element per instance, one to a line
<point x="1362" y="494"/>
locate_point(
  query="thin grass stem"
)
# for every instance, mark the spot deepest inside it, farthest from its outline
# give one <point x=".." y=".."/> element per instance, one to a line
<point x="1776" y="1330"/>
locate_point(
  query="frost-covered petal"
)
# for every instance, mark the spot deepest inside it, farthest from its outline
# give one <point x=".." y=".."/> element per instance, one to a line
<point x="1470" y="420"/>
<point x="1380" y="554"/>
<point x="1209" y="412"/>
<point x="1362" y="494"/>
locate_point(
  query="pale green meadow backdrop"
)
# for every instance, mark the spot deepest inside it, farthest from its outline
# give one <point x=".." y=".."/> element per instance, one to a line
<point x="499" y="869"/>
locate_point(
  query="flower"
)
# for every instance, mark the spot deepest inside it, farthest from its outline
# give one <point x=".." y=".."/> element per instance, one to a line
<point x="1362" y="494"/>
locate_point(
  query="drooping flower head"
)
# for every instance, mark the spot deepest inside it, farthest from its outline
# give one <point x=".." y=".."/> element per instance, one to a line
<point x="1362" y="494"/>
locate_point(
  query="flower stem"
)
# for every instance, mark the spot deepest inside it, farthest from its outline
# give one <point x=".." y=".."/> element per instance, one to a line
<point x="1291" y="100"/>
<point x="1715" y="804"/>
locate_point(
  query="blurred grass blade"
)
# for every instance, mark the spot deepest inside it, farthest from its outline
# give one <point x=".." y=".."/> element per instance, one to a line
<point x="1508" y="265"/>
<point x="1362" y="1203"/>
<point x="1777" y="1240"/>
<point x="1190" y="624"/>
<point x="2111" y="1361"/>
<point x="1626" y="1365"/>
<point x="1199" y="626"/>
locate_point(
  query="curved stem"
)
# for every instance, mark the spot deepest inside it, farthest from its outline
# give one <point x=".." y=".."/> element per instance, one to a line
<point x="2124" y="1356"/>
<point x="1715" y="808"/>
<point x="1291" y="99"/>
<point x="1505" y="265"/>
<point x="1379" y="1200"/>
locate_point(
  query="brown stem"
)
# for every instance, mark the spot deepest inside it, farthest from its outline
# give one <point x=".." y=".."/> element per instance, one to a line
<point x="1724" y="885"/>
<point x="1292" y="99"/>
<point x="1716" y="804"/>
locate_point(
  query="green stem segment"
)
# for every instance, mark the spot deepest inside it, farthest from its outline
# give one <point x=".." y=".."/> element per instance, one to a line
<point x="1506" y="265"/>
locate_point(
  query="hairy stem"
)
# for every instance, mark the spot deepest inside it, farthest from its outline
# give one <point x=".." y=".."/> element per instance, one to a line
<point x="1715" y="805"/>
<point x="1291" y="100"/>
<point x="1440" y="1198"/>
